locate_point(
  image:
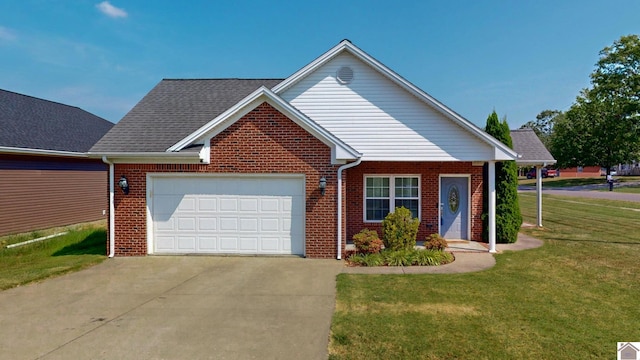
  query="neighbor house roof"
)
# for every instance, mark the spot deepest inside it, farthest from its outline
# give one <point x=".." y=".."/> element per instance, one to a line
<point x="174" y="109"/>
<point x="530" y="149"/>
<point x="31" y="123"/>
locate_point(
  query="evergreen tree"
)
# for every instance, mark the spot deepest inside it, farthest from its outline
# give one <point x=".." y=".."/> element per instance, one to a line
<point x="508" y="216"/>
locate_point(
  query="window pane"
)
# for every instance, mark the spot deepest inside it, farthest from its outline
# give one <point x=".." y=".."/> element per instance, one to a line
<point x="409" y="204"/>
<point x="407" y="187"/>
<point x="377" y="187"/>
<point x="377" y="209"/>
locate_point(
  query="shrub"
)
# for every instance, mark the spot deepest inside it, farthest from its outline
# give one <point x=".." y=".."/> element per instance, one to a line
<point x="400" y="229"/>
<point x="402" y="257"/>
<point x="433" y="257"/>
<point x="435" y="242"/>
<point x="367" y="242"/>
<point x="366" y="259"/>
<point x="372" y="260"/>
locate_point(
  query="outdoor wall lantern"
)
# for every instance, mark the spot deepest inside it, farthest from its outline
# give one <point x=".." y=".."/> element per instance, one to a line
<point x="322" y="185"/>
<point x="124" y="184"/>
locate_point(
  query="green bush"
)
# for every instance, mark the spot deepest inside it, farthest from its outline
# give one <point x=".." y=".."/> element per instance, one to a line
<point x="435" y="242"/>
<point x="367" y="242"/>
<point x="366" y="259"/>
<point x="400" y="229"/>
<point x="402" y="257"/>
<point x="433" y="258"/>
<point x="508" y="217"/>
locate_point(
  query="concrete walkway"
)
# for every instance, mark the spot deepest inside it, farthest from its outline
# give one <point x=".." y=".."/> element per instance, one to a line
<point x="474" y="257"/>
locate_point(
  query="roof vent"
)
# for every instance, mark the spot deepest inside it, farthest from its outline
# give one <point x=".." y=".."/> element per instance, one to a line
<point x="344" y="75"/>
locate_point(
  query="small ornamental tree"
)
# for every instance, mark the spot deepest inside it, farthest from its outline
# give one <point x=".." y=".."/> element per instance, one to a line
<point x="400" y="230"/>
<point x="508" y="216"/>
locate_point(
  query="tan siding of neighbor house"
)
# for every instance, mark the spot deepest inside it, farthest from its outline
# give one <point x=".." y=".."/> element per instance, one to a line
<point x="38" y="199"/>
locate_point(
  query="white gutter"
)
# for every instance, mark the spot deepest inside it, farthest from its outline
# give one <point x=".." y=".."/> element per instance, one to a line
<point x="340" y="169"/>
<point x="25" y="151"/>
<point x="112" y="210"/>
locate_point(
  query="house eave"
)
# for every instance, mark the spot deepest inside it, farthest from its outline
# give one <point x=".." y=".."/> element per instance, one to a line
<point x="149" y="157"/>
<point x="43" y="152"/>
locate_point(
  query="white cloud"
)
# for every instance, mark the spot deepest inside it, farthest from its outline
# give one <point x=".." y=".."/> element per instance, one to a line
<point x="6" y="34"/>
<point x="106" y="8"/>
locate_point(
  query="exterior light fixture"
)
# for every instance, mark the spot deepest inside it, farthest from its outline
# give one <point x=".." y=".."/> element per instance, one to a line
<point x="322" y="185"/>
<point x="124" y="184"/>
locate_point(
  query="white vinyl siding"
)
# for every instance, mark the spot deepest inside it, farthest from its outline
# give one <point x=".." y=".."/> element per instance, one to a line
<point x="379" y="118"/>
<point x="384" y="193"/>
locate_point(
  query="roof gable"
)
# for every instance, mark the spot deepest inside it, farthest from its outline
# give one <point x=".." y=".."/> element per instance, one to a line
<point x="530" y="149"/>
<point x="340" y="151"/>
<point x="31" y="123"/>
<point x="174" y="109"/>
<point x="499" y="151"/>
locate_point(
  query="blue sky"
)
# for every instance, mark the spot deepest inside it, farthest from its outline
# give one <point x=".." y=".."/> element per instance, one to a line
<point x="517" y="57"/>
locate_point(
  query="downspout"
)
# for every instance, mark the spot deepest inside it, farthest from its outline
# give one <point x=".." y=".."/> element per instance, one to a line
<point x="340" y="169"/>
<point x="112" y="215"/>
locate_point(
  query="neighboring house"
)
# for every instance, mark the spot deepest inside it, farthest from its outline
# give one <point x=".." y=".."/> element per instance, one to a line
<point x="293" y="166"/>
<point x="532" y="152"/>
<point x="581" y="171"/>
<point x="46" y="177"/>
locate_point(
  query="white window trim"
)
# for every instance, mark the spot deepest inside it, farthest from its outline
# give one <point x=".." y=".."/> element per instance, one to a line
<point x="392" y="193"/>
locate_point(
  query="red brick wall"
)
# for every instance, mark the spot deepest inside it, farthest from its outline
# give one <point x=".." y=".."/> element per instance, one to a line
<point x="429" y="179"/>
<point x="263" y="141"/>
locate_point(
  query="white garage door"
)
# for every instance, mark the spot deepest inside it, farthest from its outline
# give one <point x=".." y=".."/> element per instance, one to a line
<point x="227" y="215"/>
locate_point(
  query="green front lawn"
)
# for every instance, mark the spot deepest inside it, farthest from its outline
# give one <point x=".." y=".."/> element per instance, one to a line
<point x="575" y="297"/>
<point x="81" y="247"/>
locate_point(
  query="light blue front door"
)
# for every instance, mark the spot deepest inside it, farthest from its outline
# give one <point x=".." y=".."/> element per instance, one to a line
<point x="454" y="208"/>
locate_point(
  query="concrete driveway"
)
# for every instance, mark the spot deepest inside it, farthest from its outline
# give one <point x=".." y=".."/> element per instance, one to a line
<point x="187" y="307"/>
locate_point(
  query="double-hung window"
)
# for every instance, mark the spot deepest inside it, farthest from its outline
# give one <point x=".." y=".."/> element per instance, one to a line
<point x="385" y="193"/>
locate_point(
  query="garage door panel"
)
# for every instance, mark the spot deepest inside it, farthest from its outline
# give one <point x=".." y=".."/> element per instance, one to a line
<point x="208" y="243"/>
<point x="187" y="243"/>
<point x="187" y="203"/>
<point x="229" y="243"/>
<point x="270" y="244"/>
<point x="248" y="244"/>
<point x="228" y="204"/>
<point x="229" y="224"/>
<point x="246" y="215"/>
<point x="269" y="224"/>
<point x="207" y="224"/>
<point x="165" y="242"/>
<point x="269" y="205"/>
<point x="186" y="224"/>
<point x="207" y="204"/>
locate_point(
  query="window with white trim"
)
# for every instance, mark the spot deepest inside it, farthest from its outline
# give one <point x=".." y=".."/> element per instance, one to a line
<point x="382" y="194"/>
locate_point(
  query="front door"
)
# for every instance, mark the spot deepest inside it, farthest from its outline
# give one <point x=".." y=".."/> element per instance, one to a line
<point x="454" y="208"/>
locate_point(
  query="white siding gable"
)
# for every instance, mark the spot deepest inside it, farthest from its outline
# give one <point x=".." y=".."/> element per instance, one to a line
<point x="380" y="119"/>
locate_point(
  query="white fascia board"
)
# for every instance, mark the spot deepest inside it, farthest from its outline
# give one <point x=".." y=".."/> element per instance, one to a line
<point x="26" y="151"/>
<point x="340" y="151"/>
<point x="151" y="157"/>
<point x="346" y="45"/>
<point x="536" y="162"/>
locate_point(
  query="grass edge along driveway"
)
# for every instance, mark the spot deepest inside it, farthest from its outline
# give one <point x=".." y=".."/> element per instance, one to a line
<point x="81" y="247"/>
<point x="575" y="297"/>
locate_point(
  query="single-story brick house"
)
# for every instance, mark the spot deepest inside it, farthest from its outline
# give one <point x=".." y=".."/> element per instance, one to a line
<point x="46" y="177"/>
<point x="292" y="166"/>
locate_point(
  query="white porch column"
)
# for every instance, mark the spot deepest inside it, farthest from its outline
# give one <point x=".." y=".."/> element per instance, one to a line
<point x="539" y="193"/>
<point x="492" y="206"/>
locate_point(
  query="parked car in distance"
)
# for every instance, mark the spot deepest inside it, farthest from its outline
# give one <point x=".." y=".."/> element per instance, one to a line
<point x="531" y="174"/>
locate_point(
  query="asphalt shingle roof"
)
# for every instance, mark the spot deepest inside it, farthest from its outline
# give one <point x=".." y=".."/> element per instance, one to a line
<point x="528" y="145"/>
<point x="173" y="109"/>
<point x="32" y="123"/>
